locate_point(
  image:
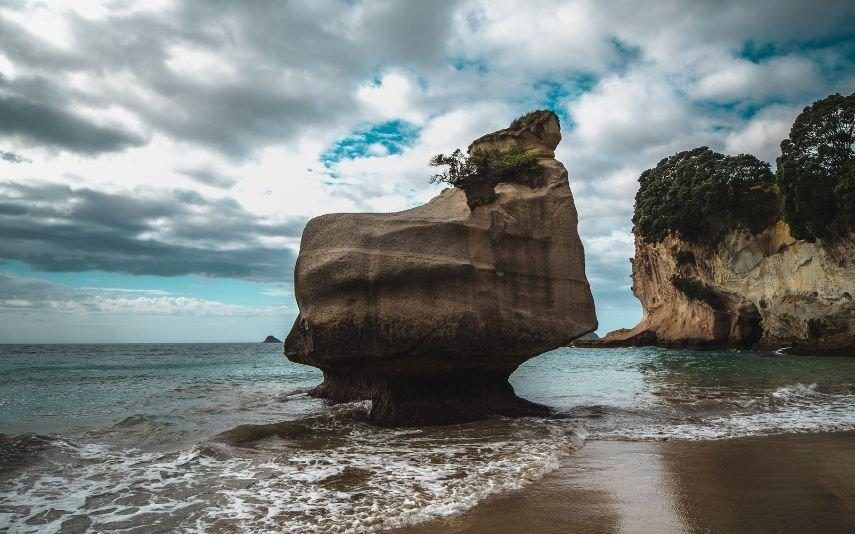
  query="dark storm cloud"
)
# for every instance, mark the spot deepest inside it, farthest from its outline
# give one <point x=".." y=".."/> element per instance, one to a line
<point x="56" y="228"/>
<point x="11" y="157"/>
<point x="211" y="177"/>
<point x="307" y="60"/>
<point x="57" y="127"/>
<point x="293" y="68"/>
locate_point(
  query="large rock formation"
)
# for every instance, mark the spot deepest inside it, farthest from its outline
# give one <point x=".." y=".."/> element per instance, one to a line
<point x="428" y="311"/>
<point x="765" y="290"/>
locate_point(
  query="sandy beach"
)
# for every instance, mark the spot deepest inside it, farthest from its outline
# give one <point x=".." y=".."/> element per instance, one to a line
<point x="787" y="483"/>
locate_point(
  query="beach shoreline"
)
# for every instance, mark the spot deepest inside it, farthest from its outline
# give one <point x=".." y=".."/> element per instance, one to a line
<point x="224" y="438"/>
<point x="780" y="483"/>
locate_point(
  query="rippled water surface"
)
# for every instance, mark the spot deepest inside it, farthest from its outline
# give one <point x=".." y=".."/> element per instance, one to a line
<point x="224" y="437"/>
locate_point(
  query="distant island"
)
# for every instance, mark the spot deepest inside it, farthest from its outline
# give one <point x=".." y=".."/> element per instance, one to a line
<point x="272" y="339"/>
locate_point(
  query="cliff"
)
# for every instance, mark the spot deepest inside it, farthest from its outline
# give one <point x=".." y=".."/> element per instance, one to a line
<point x="762" y="290"/>
<point x="428" y="311"/>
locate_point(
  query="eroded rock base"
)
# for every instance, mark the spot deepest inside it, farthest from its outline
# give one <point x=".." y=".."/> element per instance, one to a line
<point x="430" y="400"/>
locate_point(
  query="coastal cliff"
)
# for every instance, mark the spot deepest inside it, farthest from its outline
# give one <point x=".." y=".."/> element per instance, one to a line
<point x="428" y="311"/>
<point x="728" y="254"/>
<point x="766" y="290"/>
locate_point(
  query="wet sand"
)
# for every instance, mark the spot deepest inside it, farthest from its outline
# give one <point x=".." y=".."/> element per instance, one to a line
<point x="792" y="483"/>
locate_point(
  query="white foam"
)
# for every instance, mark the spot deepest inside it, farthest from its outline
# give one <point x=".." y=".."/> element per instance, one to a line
<point x="795" y="408"/>
<point x="796" y="391"/>
<point x="365" y="478"/>
<point x="399" y="477"/>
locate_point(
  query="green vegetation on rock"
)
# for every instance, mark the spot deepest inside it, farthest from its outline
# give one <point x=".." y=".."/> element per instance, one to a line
<point x="479" y="173"/>
<point x="816" y="170"/>
<point x="699" y="194"/>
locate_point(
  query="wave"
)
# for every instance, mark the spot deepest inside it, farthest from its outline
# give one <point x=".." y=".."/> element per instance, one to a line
<point x="796" y="392"/>
<point x="23" y="449"/>
<point x="140" y="420"/>
<point x="794" y="408"/>
<point x="332" y="473"/>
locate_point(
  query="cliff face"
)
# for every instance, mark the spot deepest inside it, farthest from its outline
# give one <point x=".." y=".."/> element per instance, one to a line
<point x="428" y="311"/>
<point x="766" y="290"/>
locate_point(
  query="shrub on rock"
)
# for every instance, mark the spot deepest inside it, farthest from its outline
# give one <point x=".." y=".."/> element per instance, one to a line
<point x="479" y="173"/>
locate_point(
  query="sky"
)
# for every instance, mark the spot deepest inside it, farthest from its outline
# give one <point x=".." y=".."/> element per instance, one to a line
<point x="160" y="158"/>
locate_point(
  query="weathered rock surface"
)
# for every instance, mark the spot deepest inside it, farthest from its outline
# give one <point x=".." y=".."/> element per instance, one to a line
<point x="428" y="311"/>
<point x="767" y="291"/>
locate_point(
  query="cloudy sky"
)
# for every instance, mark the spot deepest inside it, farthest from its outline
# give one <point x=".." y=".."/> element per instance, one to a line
<point x="158" y="159"/>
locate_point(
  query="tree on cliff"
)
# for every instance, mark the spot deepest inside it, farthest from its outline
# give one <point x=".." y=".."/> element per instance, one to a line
<point x="816" y="169"/>
<point x="699" y="194"/>
<point x="479" y="173"/>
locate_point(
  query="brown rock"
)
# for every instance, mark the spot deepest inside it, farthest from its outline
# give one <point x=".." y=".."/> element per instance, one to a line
<point x="766" y="290"/>
<point x="428" y="311"/>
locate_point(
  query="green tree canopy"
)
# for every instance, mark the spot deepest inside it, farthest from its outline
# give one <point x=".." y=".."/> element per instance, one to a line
<point x="816" y="169"/>
<point x="479" y="173"/>
<point x="698" y="194"/>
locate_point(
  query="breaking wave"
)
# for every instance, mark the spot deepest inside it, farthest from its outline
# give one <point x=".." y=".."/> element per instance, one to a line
<point x="795" y="408"/>
<point x="324" y="474"/>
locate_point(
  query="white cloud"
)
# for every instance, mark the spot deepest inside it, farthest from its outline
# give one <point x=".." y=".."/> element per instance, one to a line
<point x="257" y="96"/>
<point x="762" y="135"/>
<point x="171" y="306"/>
<point x="200" y="64"/>
<point x="33" y="295"/>
<point x="126" y="290"/>
<point x="542" y="37"/>
<point x="394" y="96"/>
<point x="616" y="247"/>
<point x="741" y="80"/>
<point x="48" y="22"/>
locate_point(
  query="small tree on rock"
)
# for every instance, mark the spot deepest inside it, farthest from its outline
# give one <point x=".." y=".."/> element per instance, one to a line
<point x="479" y="173"/>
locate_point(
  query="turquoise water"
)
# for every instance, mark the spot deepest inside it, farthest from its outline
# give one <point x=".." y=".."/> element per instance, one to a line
<point x="224" y="437"/>
<point x="61" y="388"/>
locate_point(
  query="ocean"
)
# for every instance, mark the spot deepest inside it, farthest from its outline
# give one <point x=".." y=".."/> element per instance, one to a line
<point x="224" y="438"/>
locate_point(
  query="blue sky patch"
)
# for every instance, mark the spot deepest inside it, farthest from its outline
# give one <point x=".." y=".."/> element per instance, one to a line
<point x="381" y="139"/>
<point x="744" y="110"/>
<point x="473" y="65"/>
<point x="225" y="290"/>
<point x="759" y="51"/>
<point x="555" y="94"/>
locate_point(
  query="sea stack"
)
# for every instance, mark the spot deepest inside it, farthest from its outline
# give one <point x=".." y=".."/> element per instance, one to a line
<point x="428" y="311"/>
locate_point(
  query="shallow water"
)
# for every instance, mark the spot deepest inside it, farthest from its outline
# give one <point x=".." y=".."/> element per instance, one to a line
<point x="223" y="437"/>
